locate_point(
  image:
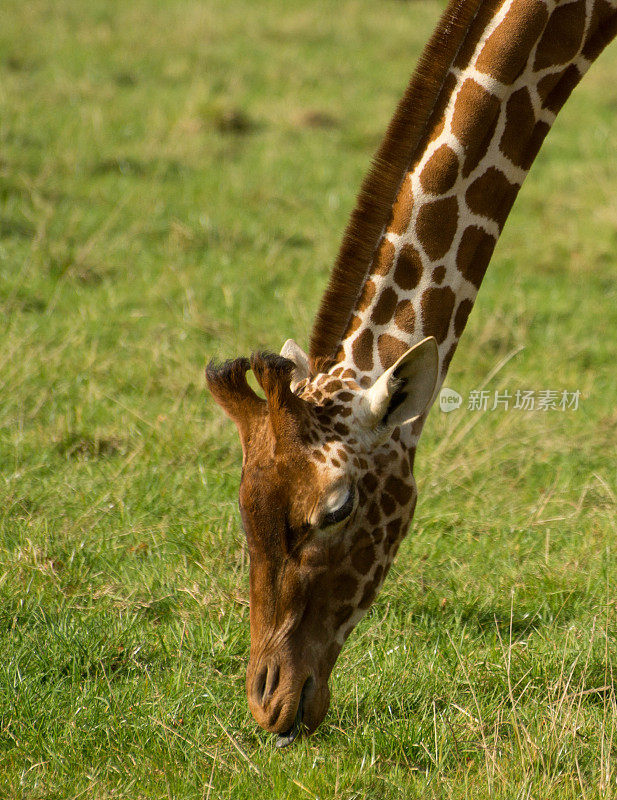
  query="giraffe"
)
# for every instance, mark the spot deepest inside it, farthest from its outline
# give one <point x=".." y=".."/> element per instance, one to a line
<point x="327" y="489"/>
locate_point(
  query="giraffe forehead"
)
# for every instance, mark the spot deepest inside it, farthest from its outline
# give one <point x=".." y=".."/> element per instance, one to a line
<point x="281" y="490"/>
<point x="339" y="386"/>
<point x="297" y="469"/>
<point x="335" y="418"/>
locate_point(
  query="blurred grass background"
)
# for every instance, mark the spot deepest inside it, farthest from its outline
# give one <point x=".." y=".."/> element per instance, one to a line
<point x="175" y="177"/>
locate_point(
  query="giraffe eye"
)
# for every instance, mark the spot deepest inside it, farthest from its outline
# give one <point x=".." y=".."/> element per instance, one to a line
<point x="342" y="512"/>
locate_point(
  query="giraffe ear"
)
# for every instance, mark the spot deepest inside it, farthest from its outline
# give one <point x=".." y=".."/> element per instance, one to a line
<point x="406" y="389"/>
<point x="294" y="353"/>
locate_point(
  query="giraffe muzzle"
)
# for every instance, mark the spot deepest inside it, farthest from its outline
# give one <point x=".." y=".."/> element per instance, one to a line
<point x="286" y="699"/>
<point x="289" y="737"/>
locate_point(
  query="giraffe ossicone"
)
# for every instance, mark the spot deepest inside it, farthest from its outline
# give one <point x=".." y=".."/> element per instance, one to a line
<point x="327" y="489"/>
<point x="302" y="367"/>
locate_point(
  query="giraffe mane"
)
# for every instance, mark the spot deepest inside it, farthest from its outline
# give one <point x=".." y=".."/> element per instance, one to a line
<point x="402" y="144"/>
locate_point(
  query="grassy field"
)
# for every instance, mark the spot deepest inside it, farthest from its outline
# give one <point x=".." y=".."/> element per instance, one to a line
<point x="174" y="179"/>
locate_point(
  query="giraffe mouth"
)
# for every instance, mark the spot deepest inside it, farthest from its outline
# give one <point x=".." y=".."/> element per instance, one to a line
<point x="290" y="736"/>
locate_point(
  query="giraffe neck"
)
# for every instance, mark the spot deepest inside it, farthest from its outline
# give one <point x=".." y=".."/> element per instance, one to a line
<point x="515" y="66"/>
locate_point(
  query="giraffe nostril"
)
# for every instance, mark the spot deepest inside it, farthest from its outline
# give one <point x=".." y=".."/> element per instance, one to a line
<point x="272" y="681"/>
<point x="266" y="683"/>
<point x="260" y="684"/>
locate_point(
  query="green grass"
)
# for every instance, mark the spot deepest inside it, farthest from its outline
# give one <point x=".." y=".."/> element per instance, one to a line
<point x="174" y="180"/>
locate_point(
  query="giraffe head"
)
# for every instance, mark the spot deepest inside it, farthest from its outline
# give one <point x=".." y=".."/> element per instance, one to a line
<point x="325" y="496"/>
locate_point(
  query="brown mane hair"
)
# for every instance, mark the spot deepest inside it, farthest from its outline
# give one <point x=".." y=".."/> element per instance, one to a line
<point x="404" y="140"/>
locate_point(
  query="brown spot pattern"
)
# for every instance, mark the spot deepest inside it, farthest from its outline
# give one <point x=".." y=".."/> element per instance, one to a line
<point x="393" y="529"/>
<point x="367" y="296"/>
<point x="485" y="14"/>
<point x="437" y="120"/>
<point x="373" y="515"/>
<point x="535" y="143"/>
<point x="489" y="195"/>
<point x="507" y="49"/>
<point x="385" y="256"/>
<point x="460" y="318"/>
<point x="388" y="504"/>
<point x="384" y="308"/>
<point x="439" y="273"/>
<point x="547" y="84"/>
<point x="562" y="36"/>
<point x="474" y="253"/>
<point x="448" y="356"/>
<point x="437" y="307"/>
<point x="563" y="89"/>
<point x="476" y="153"/>
<point x="475" y="111"/>
<point x="363" y="558"/>
<point x="520" y="121"/>
<point x="368" y="596"/>
<point x="408" y="269"/>
<point x="602" y="12"/>
<point x="400" y="490"/>
<point x="362" y="350"/>
<point x="341" y="616"/>
<point x="436" y="226"/>
<point x="369" y="483"/>
<point x="401" y="211"/>
<point x="437" y="130"/>
<point x="441" y="171"/>
<point x="405" y="316"/>
<point x="354" y="324"/>
<point x="390" y="349"/>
